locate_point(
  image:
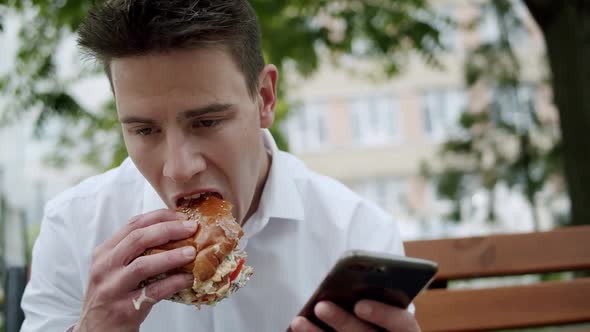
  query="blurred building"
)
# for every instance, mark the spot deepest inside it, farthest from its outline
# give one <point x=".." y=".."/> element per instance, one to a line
<point x="374" y="136"/>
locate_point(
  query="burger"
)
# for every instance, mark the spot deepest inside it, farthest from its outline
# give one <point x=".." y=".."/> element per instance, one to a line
<point x="219" y="266"/>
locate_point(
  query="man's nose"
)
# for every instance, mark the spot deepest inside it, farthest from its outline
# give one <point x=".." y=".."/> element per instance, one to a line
<point x="183" y="162"/>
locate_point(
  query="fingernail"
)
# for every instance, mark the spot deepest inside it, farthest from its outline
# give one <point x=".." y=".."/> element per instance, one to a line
<point x="323" y="310"/>
<point x="297" y="324"/>
<point x="364" y="309"/>
<point x="189" y="224"/>
<point x="181" y="216"/>
<point x="189" y="251"/>
<point x="189" y="277"/>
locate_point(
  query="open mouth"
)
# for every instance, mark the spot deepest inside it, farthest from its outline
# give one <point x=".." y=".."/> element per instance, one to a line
<point x="196" y="197"/>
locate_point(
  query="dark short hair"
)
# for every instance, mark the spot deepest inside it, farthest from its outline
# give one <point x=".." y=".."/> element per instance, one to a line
<point x="123" y="28"/>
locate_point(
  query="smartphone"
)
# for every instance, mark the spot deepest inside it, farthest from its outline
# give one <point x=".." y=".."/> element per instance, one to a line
<point x="358" y="275"/>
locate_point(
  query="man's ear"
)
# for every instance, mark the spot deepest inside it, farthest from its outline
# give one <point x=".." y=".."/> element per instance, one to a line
<point x="267" y="95"/>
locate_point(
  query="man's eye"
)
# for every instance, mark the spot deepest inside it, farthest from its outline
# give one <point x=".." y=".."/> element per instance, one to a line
<point x="144" y="131"/>
<point x="207" y="123"/>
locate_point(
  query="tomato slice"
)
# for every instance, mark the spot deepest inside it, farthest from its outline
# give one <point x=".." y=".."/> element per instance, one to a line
<point x="236" y="272"/>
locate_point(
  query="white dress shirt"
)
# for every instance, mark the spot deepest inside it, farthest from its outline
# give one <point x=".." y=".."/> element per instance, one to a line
<point x="304" y="222"/>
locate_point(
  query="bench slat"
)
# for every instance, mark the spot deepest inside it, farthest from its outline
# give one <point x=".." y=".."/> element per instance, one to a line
<point x="504" y="307"/>
<point x="566" y="249"/>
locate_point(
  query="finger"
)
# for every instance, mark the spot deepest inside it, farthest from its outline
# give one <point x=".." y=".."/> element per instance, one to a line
<point x="145" y="267"/>
<point x="145" y="297"/>
<point x="142" y="221"/>
<point x="389" y="317"/>
<point x="302" y="324"/>
<point x="339" y="319"/>
<point x="141" y="239"/>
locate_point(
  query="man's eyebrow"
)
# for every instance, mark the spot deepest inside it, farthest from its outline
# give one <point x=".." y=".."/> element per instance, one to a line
<point x="211" y="108"/>
<point x="136" y="119"/>
<point x="188" y="114"/>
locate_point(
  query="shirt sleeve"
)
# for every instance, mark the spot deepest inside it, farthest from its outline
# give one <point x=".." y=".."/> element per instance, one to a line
<point x="53" y="297"/>
<point x="375" y="230"/>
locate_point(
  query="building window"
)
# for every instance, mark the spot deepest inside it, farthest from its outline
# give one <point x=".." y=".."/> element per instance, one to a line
<point x="449" y="34"/>
<point x="436" y="207"/>
<point x="389" y="193"/>
<point x="307" y="128"/>
<point x="374" y="121"/>
<point x="442" y="110"/>
<point x="442" y="18"/>
<point x="489" y="27"/>
<point x="514" y="106"/>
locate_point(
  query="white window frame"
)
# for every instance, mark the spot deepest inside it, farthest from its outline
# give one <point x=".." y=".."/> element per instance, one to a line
<point x="375" y="121"/>
<point x="449" y="35"/>
<point x="517" y="114"/>
<point x="307" y="127"/>
<point x="489" y="27"/>
<point x="441" y="112"/>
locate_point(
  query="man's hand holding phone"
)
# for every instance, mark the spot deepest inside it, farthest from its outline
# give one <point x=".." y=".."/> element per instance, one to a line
<point x="113" y="300"/>
<point x="366" y="291"/>
<point x="367" y="315"/>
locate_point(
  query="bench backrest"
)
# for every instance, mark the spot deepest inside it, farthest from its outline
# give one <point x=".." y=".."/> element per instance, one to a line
<point x="542" y="303"/>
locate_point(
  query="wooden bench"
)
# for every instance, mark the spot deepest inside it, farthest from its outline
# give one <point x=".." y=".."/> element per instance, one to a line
<point x="501" y="307"/>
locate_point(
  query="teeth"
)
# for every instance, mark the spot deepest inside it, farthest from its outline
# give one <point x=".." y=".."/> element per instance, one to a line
<point x="195" y="196"/>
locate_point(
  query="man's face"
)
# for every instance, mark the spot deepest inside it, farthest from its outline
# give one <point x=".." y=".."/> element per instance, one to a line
<point x="191" y="126"/>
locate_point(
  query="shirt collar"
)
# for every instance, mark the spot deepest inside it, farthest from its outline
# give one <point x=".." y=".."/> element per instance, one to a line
<point x="280" y="197"/>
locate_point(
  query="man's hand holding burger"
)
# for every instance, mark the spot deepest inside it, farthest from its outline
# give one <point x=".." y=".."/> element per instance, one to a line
<point x="113" y="299"/>
<point x="118" y="268"/>
<point x="156" y="257"/>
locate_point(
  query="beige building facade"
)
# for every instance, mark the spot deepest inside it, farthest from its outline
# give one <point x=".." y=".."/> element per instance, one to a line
<point x="374" y="135"/>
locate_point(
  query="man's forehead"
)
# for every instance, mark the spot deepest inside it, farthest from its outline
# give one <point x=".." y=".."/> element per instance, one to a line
<point x="186" y="56"/>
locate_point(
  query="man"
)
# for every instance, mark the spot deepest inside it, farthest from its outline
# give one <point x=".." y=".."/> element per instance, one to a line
<point x="194" y="98"/>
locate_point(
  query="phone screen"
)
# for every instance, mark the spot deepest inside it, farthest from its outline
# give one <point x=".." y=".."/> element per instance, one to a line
<point x="359" y="275"/>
